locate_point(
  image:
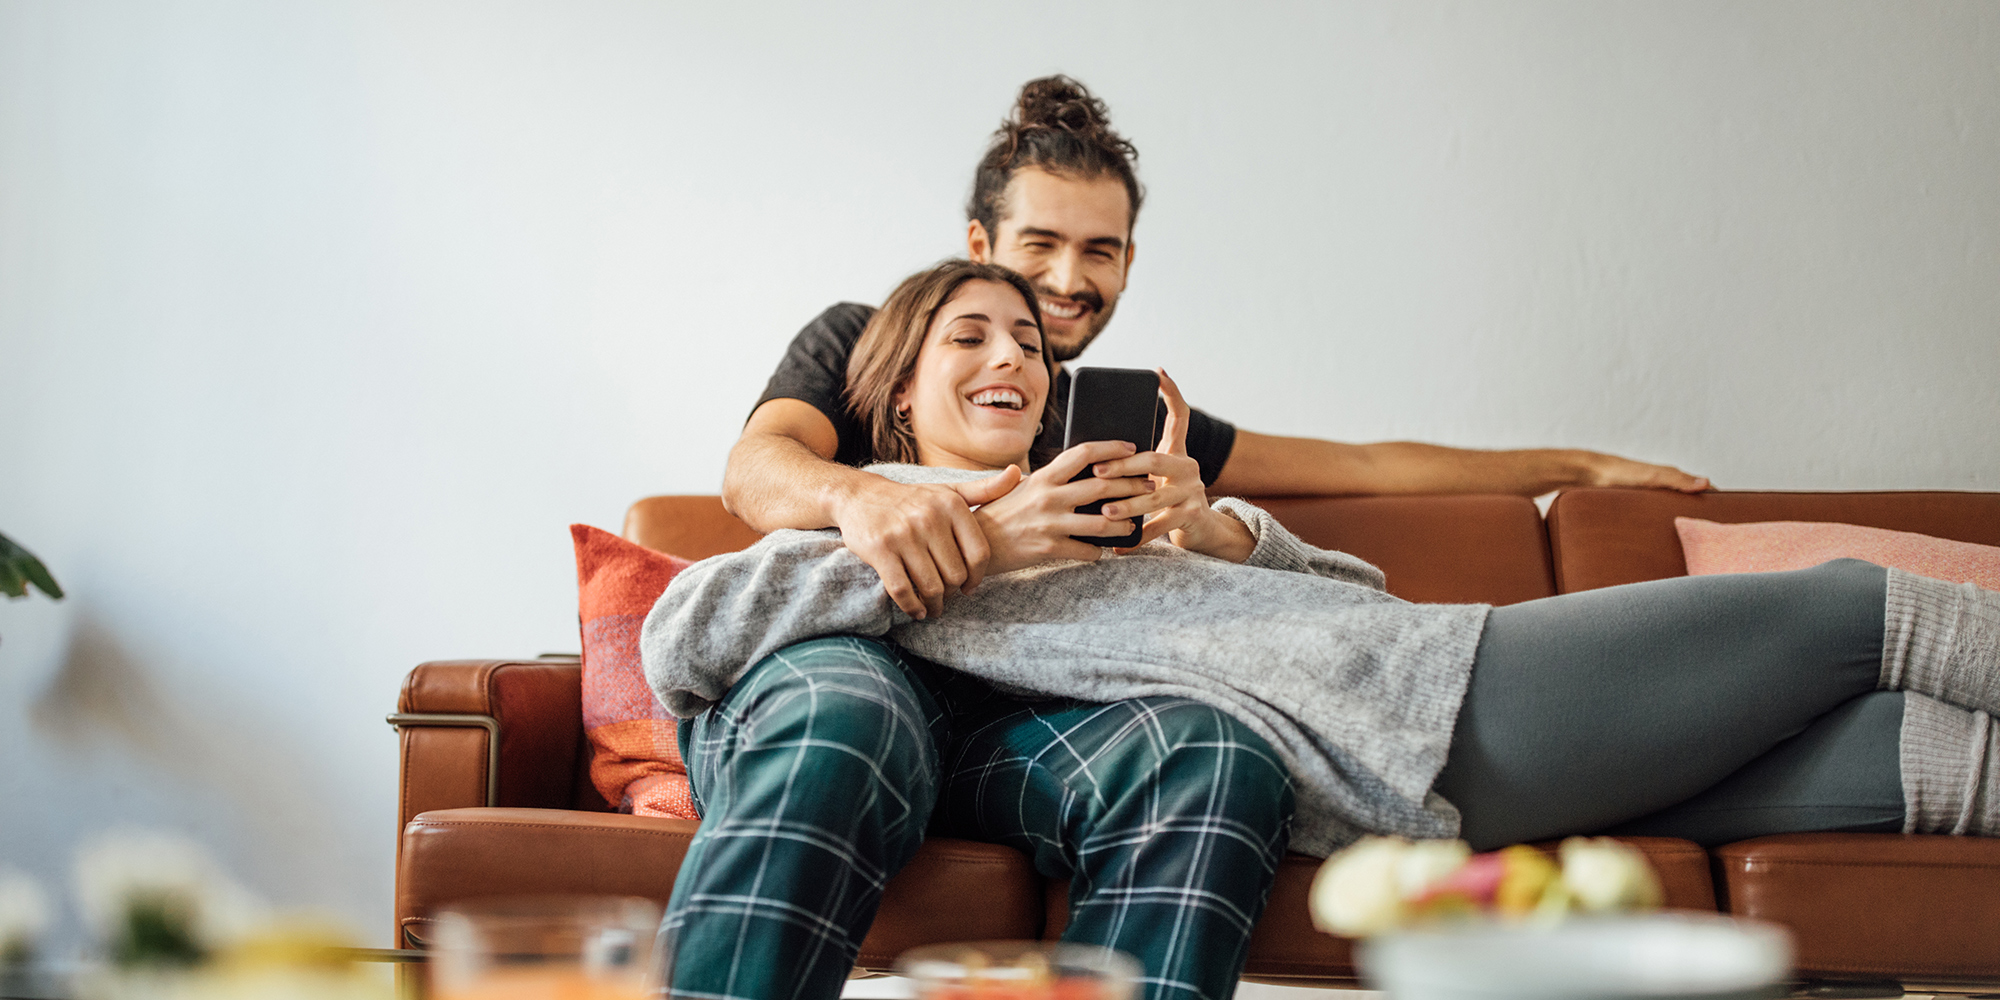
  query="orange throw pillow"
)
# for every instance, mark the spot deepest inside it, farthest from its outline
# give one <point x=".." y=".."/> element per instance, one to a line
<point x="1768" y="546"/>
<point x="635" y="753"/>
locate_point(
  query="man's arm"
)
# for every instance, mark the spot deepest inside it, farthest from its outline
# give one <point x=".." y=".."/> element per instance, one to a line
<point x="1266" y="465"/>
<point x="920" y="539"/>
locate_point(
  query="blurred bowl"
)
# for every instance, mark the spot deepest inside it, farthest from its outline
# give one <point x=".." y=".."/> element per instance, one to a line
<point x="544" y="947"/>
<point x="1661" y="956"/>
<point x="1019" y="970"/>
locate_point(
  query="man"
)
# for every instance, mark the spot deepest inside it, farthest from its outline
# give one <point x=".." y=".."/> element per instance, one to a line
<point x="1055" y="198"/>
<point x="823" y="768"/>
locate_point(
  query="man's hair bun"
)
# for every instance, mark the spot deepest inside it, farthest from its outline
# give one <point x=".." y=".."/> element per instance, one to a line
<point x="1060" y="102"/>
<point x="1059" y="126"/>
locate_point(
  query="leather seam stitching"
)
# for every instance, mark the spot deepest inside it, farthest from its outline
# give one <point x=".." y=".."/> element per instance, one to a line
<point x="1772" y="867"/>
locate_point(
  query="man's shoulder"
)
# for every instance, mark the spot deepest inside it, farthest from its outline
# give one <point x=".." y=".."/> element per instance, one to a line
<point x="842" y="321"/>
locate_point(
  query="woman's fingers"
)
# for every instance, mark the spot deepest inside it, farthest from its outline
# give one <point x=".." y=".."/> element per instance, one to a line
<point x="1173" y="437"/>
<point x="1151" y="463"/>
<point x="1170" y="493"/>
<point x="1065" y="466"/>
<point x="1083" y="491"/>
<point x="1070" y="548"/>
<point x="1171" y="520"/>
<point x="1089" y="526"/>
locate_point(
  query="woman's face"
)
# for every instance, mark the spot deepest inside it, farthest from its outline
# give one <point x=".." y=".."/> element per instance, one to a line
<point x="975" y="400"/>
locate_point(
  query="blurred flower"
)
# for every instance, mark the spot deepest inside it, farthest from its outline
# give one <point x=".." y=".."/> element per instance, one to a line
<point x="1384" y="883"/>
<point x="157" y="899"/>
<point x="292" y="941"/>
<point x="1604" y="874"/>
<point x="1530" y="883"/>
<point x="1363" y="889"/>
<point x="1515" y="882"/>
<point x="24" y="916"/>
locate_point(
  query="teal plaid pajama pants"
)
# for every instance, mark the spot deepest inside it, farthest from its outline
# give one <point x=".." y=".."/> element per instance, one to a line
<point x="822" y="769"/>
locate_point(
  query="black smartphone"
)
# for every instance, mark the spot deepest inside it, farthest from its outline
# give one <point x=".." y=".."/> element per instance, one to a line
<point x="1111" y="404"/>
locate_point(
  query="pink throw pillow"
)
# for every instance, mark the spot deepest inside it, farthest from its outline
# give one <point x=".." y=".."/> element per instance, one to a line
<point x="635" y="757"/>
<point x="1768" y="546"/>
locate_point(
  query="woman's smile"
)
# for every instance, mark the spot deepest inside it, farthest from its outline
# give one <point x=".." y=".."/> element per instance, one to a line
<point x="1002" y="397"/>
<point x="975" y="400"/>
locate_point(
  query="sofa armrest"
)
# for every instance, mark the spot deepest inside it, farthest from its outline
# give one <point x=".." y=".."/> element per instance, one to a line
<point x="489" y="733"/>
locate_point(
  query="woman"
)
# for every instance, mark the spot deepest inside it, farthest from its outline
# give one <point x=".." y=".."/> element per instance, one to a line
<point x="1841" y="697"/>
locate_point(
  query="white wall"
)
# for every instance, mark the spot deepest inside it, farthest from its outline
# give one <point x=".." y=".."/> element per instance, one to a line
<point x="318" y="323"/>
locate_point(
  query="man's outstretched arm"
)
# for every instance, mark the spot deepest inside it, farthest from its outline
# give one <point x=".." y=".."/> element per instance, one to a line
<point x="1265" y="465"/>
<point x="920" y="539"/>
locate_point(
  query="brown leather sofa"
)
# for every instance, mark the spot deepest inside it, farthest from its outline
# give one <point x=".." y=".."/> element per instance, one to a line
<point x="495" y="796"/>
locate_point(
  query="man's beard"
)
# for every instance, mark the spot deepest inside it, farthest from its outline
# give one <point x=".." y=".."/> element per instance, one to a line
<point x="1094" y="321"/>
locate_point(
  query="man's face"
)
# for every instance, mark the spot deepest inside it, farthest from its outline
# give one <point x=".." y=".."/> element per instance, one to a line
<point x="1071" y="238"/>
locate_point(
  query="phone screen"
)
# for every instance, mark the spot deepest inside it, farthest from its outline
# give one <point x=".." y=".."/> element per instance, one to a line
<point x="1112" y="404"/>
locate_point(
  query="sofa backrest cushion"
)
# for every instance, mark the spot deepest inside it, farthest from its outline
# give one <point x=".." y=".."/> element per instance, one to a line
<point x="635" y="753"/>
<point x="1605" y="537"/>
<point x="693" y="527"/>
<point x="1450" y="549"/>
<point x="1469" y="549"/>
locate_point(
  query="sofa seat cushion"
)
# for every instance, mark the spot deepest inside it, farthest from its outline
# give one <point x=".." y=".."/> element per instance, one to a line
<point x="954" y="890"/>
<point x="1915" y="908"/>
<point x="1286" y="948"/>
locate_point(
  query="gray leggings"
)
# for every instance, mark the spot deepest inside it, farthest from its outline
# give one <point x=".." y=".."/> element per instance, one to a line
<point x="1713" y="708"/>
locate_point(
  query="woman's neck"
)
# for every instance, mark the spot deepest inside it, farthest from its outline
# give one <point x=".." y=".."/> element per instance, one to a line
<point x="944" y="458"/>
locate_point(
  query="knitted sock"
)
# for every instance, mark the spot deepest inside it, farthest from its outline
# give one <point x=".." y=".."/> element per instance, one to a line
<point x="1951" y="769"/>
<point x="1943" y="640"/>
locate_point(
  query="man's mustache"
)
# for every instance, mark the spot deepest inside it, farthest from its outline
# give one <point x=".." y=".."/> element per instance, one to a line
<point x="1087" y="298"/>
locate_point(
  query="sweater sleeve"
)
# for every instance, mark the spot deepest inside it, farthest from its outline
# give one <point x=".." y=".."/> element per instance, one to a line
<point x="723" y="615"/>
<point x="1278" y="548"/>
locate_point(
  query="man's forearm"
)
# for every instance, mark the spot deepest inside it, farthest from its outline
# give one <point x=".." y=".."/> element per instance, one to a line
<point x="1264" y="465"/>
<point x="1415" y="467"/>
<point x="774" y="481"/>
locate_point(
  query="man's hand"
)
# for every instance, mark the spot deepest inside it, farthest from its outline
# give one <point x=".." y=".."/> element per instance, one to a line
<point x="921" y="539"/>
<point x="1610" y="470"/>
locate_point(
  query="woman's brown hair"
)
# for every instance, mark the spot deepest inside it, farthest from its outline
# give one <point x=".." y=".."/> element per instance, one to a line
<point x="885" y="357"/>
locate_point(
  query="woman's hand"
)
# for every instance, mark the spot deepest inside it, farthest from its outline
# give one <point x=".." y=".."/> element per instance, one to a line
<point x="1032" y="524"/>
<point x="1178" y="506"/>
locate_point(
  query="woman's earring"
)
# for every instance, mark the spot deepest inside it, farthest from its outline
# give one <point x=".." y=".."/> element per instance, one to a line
<point x="903" y="413"/>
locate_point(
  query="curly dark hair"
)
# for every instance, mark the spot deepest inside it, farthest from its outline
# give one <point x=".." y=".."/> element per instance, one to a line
<point x="1057" y="125"/>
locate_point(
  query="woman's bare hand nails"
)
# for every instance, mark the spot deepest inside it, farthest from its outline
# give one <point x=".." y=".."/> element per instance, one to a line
<point x="1033" y="524"/>
<point x="1177" y="506"/>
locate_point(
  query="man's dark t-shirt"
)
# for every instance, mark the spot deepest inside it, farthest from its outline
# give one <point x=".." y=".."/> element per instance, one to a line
<point x="815" y="370"/>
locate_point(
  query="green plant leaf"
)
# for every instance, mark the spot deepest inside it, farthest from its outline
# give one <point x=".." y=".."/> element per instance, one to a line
<point x="38" y="575"/>
<point x="156" y="933"/>
<point x="19" y="567"/>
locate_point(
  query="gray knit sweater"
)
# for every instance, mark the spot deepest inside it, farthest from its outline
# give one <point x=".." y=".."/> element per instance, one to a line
<point x="1357" y="690"/>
